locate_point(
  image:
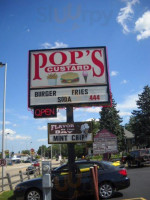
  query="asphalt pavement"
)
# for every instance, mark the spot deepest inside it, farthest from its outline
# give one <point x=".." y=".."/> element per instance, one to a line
<point x="140" y="185"/>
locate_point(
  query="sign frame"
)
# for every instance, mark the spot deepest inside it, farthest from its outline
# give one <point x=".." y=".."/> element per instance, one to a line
<point x="75" y="127"/>
<point x="94" y="102"/>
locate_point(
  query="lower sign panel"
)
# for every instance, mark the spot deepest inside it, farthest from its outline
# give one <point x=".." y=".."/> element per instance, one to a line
<point x="62" y="96"/>
<point x="71" y="138"/>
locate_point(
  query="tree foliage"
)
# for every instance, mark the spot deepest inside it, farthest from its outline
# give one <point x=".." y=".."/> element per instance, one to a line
<point x="26" y="152"/>
<point x="110" y="120"/>
<point x="95" y="126"/>
<point x="139" y="122"/>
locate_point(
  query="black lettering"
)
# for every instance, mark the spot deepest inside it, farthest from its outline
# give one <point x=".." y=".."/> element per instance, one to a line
<point x="36" y="94"/>
<point x="59" y="99"/>
<point x="69" y="99"/>
<point x="60" y="138"/>
<point x="45" y="93"/>
<point x="86" y="91"/>
<point x="55" y="138"/>
<point x="80" y="92"/>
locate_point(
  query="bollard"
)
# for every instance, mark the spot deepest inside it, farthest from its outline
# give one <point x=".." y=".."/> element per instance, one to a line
<point x="46" y="180"/>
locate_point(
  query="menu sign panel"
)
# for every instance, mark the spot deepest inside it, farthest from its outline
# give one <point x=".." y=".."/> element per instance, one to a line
<point x="68" y="76"/>
<point x="105" y="142"/>
<point x="70" y="132"/>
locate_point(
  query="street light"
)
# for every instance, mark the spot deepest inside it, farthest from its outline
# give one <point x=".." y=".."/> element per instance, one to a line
<point x="3" y="131"/>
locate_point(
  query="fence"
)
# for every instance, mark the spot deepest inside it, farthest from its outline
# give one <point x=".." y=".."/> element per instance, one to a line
<point x="17" y="178"/>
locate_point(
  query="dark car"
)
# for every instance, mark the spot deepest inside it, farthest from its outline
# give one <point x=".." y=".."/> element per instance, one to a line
<point x="137" y="158"/>
<point x="30" y="170"/>
<point x="110" y="178"/>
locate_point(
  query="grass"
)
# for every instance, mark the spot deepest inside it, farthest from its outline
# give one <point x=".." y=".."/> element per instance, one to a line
<point x="8" y="195"/>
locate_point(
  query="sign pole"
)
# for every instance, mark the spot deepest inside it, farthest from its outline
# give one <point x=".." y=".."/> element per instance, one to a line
<point x="71" y="151"/>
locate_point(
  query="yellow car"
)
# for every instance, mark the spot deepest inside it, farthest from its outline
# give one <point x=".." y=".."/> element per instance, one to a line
<point x="116" y="163"/>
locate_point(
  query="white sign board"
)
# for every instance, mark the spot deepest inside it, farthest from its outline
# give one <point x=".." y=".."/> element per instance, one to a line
<point x="104" y="142"/>
<point x="77" y="76"/>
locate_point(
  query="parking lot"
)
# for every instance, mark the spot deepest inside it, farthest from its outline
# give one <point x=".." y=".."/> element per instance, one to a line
<point x="139" y="188"/>
<point x="140" y="185"/>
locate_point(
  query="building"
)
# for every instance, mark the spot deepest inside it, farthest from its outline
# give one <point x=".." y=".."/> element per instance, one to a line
<point x="129" y="140"/>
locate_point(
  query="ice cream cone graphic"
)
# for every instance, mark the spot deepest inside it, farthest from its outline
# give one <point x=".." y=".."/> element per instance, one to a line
<point x="85" y="75"/>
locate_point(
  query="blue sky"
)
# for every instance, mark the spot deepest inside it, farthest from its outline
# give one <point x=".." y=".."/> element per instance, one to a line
<point x="123" y="26"/>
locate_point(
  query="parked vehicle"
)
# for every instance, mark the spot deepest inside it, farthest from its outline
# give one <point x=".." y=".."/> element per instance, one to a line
<point x="36" y="164"/>
<point x="137" y="158"/>
<point x="30" y="170"/>
<point x="110" y="178"/>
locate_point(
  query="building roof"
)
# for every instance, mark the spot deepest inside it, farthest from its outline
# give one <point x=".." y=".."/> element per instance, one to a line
<point x="105" y="133"/>
<point x="128" y="134"/>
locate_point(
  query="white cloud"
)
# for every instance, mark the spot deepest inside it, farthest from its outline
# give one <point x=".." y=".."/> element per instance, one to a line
<point x="89" y="110"/>
<point x="6" y="122"/>
<point x="20" y="137"/>
<point x="128" y="104"/>
<point x="42" y="128"/>
<point x="8" y="131"/>
<point x="113" y="73"/>
<point x="42" y="140"/>
<point x="60" y="118"/>
<point x="47" y="45"/>
<point x="11" y="135"/>
<point x="59" y="45"/>
<point x="122" y="114"/>
<point x="90" y="119"/>
<point x="124" y="82"/>
<point x="28" y="30"/>
<point x="23" y="117"/>
<point x="142" y="25"/>
<point x="125" y="14"/>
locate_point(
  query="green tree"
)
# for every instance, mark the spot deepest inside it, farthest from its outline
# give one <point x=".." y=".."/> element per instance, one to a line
<point x="25" y="152"/>
<point x="42" y="151"/>
<point x="95" y="126"/>
<point x="141" y="124"/>
<point x="110" y="120"/>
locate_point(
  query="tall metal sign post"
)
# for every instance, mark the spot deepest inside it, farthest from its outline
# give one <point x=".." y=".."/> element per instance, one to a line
<point x="67" y="78"/>
<point x="3" y="132"/>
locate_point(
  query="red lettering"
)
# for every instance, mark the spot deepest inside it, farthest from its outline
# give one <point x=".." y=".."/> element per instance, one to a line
<point x="73" y="56"/>
<point x="43" y="112"/>
<point x="37" y="112"/>
<point x="52" y="56"/>
<point x="37" y="64"/>
<point x="98" y="63"/>
<point x="53" y="111"/>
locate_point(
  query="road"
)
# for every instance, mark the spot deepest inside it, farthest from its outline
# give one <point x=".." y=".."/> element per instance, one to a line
<point x="140" y="185"/>
<point x="14" y="169"/>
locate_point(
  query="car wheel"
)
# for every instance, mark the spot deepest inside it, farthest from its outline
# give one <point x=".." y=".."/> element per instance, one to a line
<point x="128" y="164"/>
<point x="106" y="190"/>
<point x="138" y="164"/>
<point x="33" y="194"/>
